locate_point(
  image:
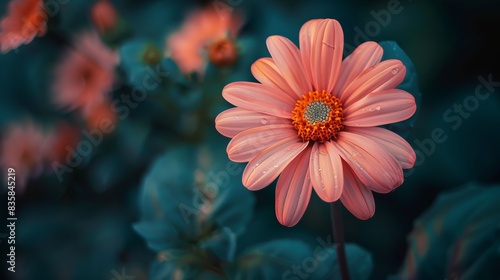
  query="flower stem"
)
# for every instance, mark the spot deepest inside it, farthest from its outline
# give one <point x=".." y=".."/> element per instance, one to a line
<point x="338" y="239"/>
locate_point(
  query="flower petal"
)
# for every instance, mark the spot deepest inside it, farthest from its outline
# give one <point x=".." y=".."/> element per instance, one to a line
<point x="293" y="190"/>
<point x="260" y="98"/>
<point x="391" y="142"/>
<point x="376" y="169"/>
<point x="249" y="143"/>
<point x="266" y="72"/>
<point x="385" y="75"/>
<point x="287" y="58"/>
<point x="326" y="171"/>
<point x="235" y="120"/>
<point x="356" y="197"/>
<point x="266" y="166"/>
<point x="363" y="57"/>
<point x="306" y="36"/>
<point x="322" y="44"/>
<point x="379" y="108"/>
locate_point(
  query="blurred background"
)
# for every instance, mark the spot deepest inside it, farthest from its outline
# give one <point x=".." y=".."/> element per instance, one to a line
<point x="82" y="218"/>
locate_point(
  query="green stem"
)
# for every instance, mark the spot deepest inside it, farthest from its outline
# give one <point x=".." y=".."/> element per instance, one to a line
<point x="338" y="237"/>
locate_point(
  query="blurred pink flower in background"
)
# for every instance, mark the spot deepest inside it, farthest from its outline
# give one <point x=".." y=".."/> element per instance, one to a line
<point x="24" y="147"/>
<point x="104" y="16"/>
<point x="205" y="35"/>
<point x="65" y="135"/>
<point x="100" y="116"/>
<point x="313" y="119"/>
<point x="85" y="75"/>
<point x="25" y="19"/>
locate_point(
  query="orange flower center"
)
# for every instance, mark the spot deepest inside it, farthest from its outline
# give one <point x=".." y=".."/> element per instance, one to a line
<point x="318" y="116"/>
<point x="223" y="52"/>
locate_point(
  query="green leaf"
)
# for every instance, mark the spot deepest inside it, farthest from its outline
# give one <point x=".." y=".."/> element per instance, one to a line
<point x="457" y="237"/>
<point x="272" y="260"/>
<point x="193" y="199"/>
<point x="359" y="263"/>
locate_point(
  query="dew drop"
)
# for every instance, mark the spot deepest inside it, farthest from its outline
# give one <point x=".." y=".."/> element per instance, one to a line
<point x="378" y="108"/>
<point x="263" y="121"/>
<point x="395" y="71"/>
<point x="276" y="165"/>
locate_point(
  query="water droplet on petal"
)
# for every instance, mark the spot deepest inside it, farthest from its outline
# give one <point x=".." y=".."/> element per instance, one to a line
<point x="263" y="121"/>
<point x="394" y="71"/>
<point x="378" y="108"/>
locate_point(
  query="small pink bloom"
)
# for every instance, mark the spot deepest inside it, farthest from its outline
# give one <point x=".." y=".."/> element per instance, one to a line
<point x="206" y="34"/>
<point x="25" y="19"/>
<point x="101" y="117"/>
<point x="314" y="119"/>
<point x="64" y="139"/>
<point x="24" y="147"/>
<point x="85" y="75"/>
<point x="104" y="16"/>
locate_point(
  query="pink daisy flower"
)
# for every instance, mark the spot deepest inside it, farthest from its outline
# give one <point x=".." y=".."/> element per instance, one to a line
<point x="85" y="75"/>
<point x="206" y="34"/>
<point x="313" y="119"/>
<point x="24" y="147"/>
<point x="25" y="19"/>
